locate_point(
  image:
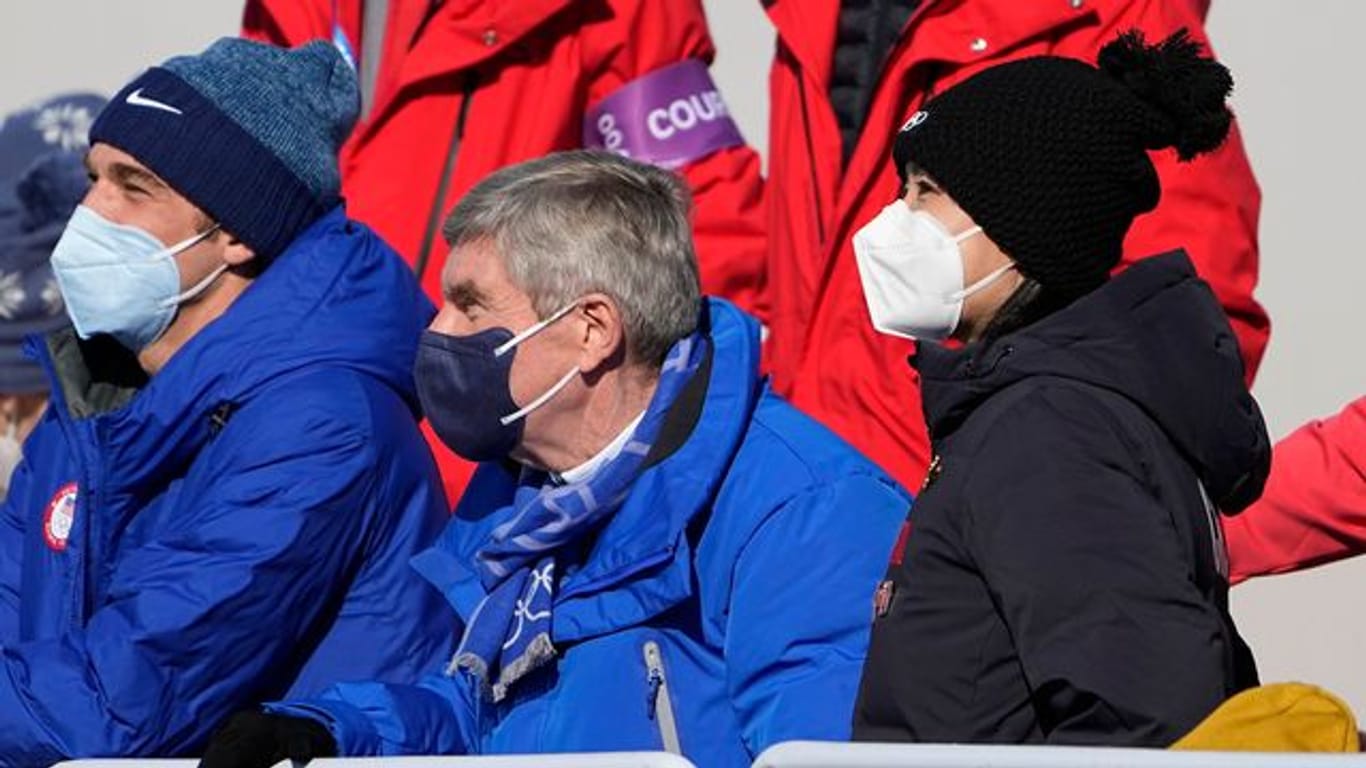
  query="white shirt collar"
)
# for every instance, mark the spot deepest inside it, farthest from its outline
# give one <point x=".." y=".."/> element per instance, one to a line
<point x="589" y="468"/>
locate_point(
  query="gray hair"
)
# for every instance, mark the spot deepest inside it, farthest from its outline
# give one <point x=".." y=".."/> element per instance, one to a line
<point x="579" y="222"/>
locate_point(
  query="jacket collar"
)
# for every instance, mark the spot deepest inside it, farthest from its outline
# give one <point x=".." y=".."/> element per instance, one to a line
<point x="1154" y="335"/>
<point x="457" y="36"/>
<point x="640" y="564"/>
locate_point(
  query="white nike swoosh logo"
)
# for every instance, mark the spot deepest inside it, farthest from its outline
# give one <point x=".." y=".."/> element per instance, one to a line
<point x="138" y="100"/>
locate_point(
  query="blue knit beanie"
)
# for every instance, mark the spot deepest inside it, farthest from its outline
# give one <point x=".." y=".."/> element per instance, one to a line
<point x="248" y="132"/>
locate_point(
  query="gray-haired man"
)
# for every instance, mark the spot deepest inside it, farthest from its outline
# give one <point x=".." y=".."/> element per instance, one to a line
<point x="658" y="552"/>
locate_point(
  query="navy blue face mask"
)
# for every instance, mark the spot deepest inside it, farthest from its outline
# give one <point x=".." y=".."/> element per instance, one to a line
<point x="463" y="383"/>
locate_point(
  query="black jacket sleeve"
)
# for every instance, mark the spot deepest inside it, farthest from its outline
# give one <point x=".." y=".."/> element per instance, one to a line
<point x="1083" y="561"/>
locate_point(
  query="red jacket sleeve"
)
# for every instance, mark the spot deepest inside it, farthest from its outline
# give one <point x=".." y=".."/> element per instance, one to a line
<point x="727" y="188"/>
<point x="1314" y="508"/>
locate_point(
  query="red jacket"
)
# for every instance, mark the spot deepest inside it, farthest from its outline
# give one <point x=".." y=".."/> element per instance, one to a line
<point x="823" y="352"/>
<point x="525" y="74"/>
<point x="1313" y="510"/>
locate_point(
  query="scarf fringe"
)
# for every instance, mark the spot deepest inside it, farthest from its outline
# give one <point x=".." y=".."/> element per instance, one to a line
<point x="539" y="651"/>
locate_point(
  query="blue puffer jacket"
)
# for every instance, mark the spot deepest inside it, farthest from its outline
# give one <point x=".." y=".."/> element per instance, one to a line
<point x="236" y="528"/>
<point x="723" y="608"/>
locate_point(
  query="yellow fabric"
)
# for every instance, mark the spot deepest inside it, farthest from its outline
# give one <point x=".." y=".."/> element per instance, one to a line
<point x="1284" y="717"/>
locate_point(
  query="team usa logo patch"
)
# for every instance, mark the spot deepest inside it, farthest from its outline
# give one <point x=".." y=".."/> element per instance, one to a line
<point x="59" y="517"/>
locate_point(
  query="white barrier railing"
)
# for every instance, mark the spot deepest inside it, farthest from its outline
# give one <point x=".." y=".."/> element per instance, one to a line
<point x="818" y="754"/>
<point x="126" y="762"/>
<point x="577" y="760"/>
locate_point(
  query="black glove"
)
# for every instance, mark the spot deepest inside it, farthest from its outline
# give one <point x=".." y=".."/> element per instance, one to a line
<point x="254" y="739"/>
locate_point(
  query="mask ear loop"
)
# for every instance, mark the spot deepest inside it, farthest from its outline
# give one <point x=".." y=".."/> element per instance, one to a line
<point x="202" y="285"/>
<point x="964" y="235"/>
<point x="192" y="241"/>
<point x="534" y="329"/>
<point x="196" y="289"/>
<point x="985" y="282"/>
<point x="523" y="336"/>
<point x="980" y="285"/>
<point x="542" y="400"/>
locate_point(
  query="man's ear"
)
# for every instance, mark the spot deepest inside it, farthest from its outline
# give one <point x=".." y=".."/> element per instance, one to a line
<point x="237" y="253"/>
<point x="603" y="336"/>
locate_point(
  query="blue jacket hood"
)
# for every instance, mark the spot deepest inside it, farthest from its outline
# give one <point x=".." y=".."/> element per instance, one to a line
<point x="1154" y="334"/>
<point x="338" y="296"/>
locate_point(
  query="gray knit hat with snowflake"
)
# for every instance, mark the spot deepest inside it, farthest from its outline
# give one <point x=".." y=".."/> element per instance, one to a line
<point x="42" y="178"/>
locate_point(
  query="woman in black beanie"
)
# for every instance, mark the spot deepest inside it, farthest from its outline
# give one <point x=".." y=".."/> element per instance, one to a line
<point x="1062" y="577"/>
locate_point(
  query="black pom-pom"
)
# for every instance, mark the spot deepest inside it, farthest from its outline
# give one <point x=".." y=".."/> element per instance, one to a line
<point x="1187" y="89"/>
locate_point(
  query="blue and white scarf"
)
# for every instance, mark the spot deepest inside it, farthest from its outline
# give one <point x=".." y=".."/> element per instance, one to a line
<point x="509" y="633"/>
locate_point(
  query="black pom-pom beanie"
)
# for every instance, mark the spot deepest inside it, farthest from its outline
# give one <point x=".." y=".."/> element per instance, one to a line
<point x="1049" y="155"/>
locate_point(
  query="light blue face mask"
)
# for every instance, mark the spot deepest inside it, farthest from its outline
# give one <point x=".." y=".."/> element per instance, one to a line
<point x="120" y="280"/>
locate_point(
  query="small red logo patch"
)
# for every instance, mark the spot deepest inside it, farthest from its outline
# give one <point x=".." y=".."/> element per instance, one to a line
<point x="59" y="517"/>
<point x="882" y="598"/>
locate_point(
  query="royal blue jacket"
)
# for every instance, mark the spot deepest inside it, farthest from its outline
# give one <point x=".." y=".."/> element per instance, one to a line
<point x="236" y="528"/>
<point x="723" y="608"/>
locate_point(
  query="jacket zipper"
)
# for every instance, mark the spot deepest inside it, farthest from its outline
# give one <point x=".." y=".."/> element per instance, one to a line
<point x="444" y="184"/>
<point x="86" y="570"/>
<point x="658" y="706"/>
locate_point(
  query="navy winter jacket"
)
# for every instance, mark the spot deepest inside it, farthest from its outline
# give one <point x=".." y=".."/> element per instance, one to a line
<point x="1063" y="578"/>
<point x="235" y="528"/>
<point x="722" y="609"/>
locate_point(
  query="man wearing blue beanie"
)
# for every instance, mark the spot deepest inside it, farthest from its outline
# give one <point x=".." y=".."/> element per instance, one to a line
<point x="219" y="505"/>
